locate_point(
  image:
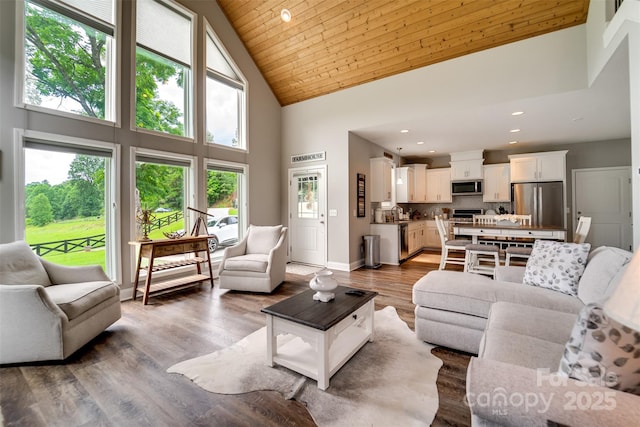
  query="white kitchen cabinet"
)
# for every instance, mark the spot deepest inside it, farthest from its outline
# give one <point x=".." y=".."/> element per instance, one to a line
<point x="420" y="183"/>
<point x="431" y="235"/>
<point x="466" y="170"/>
<point x="416" y="235"/>
<point x="497" y="183"/>
<point x="381" y="179"/>
<point x="439" y="185"/>
<point x="466" y="165"/>
<point x="405" y="185"/>
<point x="533" y="167"/>
<point x="389" y="242"/>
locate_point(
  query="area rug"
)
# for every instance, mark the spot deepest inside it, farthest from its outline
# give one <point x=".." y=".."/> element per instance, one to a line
<point x="302" y="269"/>
<point x="390" y="381"/>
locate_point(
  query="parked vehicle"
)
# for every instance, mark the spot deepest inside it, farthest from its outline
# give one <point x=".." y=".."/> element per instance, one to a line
<point x="223" y="231"/>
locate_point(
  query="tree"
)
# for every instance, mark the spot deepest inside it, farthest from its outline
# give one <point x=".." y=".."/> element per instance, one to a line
<point x="87" y="168"/>
<point x="40" y="210"/>
<point x="151" y="111"/>
<point x="220" y="186"/>
<point x="160" y="186"/>
<point x="65" y="60"/>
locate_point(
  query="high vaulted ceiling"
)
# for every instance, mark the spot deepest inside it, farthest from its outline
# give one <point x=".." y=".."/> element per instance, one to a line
<point x="335" y="44"/>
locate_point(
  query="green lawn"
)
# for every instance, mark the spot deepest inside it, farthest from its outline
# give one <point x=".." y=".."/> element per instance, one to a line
<point x="83" y="227"/>
<point x="65" y="230"/>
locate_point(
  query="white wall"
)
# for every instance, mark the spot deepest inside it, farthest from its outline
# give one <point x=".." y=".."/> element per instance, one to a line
<point x="548" y="64"/>
<point x="604" y="40"/>
<point x="264" y="119"/>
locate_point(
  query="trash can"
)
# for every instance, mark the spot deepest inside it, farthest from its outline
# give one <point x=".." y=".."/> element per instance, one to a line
<point x="371" y="251"/>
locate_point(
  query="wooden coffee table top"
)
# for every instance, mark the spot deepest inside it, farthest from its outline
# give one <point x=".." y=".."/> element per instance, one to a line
<point x="303" y="309"/>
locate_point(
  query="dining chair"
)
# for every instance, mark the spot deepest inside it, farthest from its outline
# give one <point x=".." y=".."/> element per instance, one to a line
<point x="580" y="235"/>
<point x="523" y="219"/>
<point x="484" y="219"/>
<point x="584" y="224"/>
<point x="449" y="245"/>
<point x="481" y="258"/>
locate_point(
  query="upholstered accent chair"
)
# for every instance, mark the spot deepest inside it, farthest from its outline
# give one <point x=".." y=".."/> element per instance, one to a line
<point x="48" y="311"/>
<point x="258" y="262"/>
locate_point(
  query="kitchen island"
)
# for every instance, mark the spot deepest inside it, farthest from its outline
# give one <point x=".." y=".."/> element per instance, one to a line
<point x="508" y="233"/>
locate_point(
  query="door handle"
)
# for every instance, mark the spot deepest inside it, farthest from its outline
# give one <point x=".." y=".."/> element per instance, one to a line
<point x="321" y="222"/>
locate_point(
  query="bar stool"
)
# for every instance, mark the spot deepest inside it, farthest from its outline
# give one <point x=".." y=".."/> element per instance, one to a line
<point x="481" y="259"/>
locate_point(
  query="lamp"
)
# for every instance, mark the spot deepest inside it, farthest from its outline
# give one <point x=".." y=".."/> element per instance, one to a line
<point x="624" y="305"/>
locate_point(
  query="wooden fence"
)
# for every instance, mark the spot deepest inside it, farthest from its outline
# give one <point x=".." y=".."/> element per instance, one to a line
<point x="164" y="221"/>
<point x="84" y="243"/>
<point x="72" y="245"/>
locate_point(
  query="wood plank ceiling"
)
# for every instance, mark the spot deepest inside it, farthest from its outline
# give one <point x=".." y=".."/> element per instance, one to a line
<point x="335" y="44"/>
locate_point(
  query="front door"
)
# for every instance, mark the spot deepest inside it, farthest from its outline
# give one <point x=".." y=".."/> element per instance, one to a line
<point x="307" y="215"/>
<point x="604" y="194"/>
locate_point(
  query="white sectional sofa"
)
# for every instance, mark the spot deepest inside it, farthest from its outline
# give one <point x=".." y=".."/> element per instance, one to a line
<point x="519" y="333"/>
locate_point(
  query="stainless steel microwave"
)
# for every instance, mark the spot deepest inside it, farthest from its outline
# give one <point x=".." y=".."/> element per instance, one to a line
<point x="466" y="188"/>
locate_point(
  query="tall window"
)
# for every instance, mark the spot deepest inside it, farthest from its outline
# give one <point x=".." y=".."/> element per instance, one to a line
<point x="225" y="98"/>
<point x="164" y="51"/>
<point x="163" y="189"/>
<point x="225" y="205"/>
<point x="69" y="59"/>
<point x="69" y="202"/>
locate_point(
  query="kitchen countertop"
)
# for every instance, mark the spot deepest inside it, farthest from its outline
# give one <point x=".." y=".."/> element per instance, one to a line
<point x="403" y="221"/>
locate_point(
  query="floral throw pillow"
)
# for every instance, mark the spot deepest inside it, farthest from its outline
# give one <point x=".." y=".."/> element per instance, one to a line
<point x="556" y="265"/>
<point x="603" y="352"/>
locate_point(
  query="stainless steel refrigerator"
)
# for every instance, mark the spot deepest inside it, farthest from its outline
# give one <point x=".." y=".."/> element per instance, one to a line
<point x="543" y="200"/>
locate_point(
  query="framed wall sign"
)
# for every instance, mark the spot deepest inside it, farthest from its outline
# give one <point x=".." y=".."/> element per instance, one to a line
<point x="361" y="195"/>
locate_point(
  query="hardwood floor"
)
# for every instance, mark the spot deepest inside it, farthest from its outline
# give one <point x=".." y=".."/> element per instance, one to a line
<point x="120" y="378"/>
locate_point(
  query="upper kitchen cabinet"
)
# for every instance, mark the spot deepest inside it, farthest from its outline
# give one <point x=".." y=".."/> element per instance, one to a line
<point x="497" y="183"/>
<point x="439" y="185"/>
<point x="413" y="186"/>
<point x="549" y="166"/>
<point x="381" y="179"/>
<point x="405" y="185"/>
<point x="420" y="179"/>
<point x="466" y="165"/>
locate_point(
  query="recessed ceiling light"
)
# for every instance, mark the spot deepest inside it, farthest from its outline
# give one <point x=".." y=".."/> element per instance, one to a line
<point x="517" y="113"/>
<point x="404" y="131"/>
<point x="513" y="142"/>
<point x="577" y="119"/>
<point x="514" y="130"/>
<point x="432" y="151"/>
<point x="285" y="15"/>
<point x="420" y="142"/>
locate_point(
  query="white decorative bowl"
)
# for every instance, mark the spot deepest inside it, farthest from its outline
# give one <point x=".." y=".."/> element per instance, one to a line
<point x="323" y="283"/>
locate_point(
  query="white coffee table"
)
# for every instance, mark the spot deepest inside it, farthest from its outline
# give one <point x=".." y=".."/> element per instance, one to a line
<point x="334" y="332"/>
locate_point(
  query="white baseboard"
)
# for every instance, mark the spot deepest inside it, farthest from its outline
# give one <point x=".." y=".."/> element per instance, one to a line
<point x="126" y="293"/>
<point x="338" y="266"/>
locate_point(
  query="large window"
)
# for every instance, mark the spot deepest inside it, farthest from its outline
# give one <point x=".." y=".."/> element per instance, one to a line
<point x="69" y="200"/>
<point x="163" y="188"/>
<point x="226" y="202"/>
<point x="69" y="56"/>
<point x="225" y="99"/>
<point x="164" y="51"/>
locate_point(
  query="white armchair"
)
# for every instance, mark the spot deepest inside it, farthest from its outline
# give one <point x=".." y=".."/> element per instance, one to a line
<point x="258" y="262"/>
<point x="49" y="311"/>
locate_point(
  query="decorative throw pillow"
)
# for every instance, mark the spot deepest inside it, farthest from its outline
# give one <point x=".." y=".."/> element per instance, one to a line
<point x="20" y="266"/>
<point x="556" y="265"/>
<point x="602" y="351"/>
